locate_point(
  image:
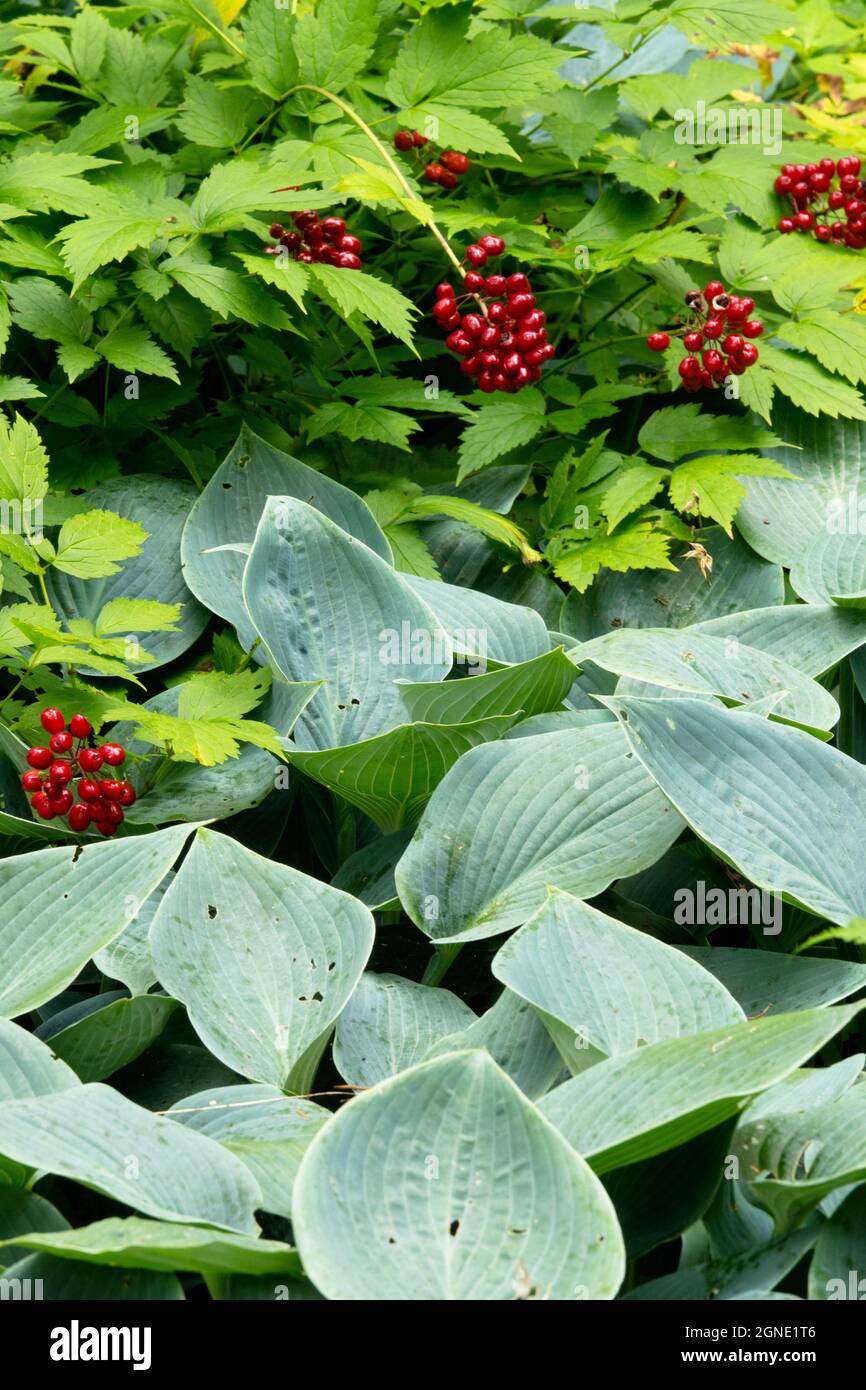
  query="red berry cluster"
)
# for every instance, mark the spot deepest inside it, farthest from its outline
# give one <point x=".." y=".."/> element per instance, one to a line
<point x="445" y="170"/>
<point x="504" y="344"/>
<point x="316" y="239"/>
<point x="718" y="327"/>
<point x="70" y="754"/>
<point x="816" y="204"/>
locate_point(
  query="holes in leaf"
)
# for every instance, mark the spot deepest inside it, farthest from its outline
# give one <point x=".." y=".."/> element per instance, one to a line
<point x="454" y="1227"/>
<point x="211" y="911"/>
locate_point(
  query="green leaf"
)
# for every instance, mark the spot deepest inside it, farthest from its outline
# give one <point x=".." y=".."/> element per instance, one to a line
<point x="708" y="485"/>
<point x="838" y="343"/>
<point x="225" y="292"/>
<point x="214" y="116"/>
<point x="106" y="236"/>
<point x="495" y="69"/>
<point x="354" y="292"/>
<point x="29" y="1067"/>
<point x="269" y="33"/>
<point x="596" y="817"/>
<point x="362" y="421"/>
<point x="531" y="687"/>
<point x="334" y="45"/>
<point x="375" y="1230"/>
<point x="106" y="1038"/>
<point x="238" y="187"/>
<point x="639" y="545"/>
<point x="230" y="914"/>
<point x="23" y="462"/>
<point x="91" y="544"/>
<point x="454" y="125"/>
<point x="631" y="488"/>
<point x="765" y="982"/>
<point x="390" y="1024"/>
<point x="131" y="348"/>
<point x="646" y="1102"/>
<point x="42" y="950"/>
<point x="131" y="1242"/>
<point x="481" y="626"/>
<point x="677" y="430"/>
<point x="95" y="1136"/>
<point x="809" y="386"/>
<point x="499" y="427"/>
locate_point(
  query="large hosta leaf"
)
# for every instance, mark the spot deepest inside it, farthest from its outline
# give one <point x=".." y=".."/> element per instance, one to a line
<point x="97" y="1137"/>
<point x="690" y="661"/>
<point x="61" y="905"/>
<point x="263" y="957"/>
<point x="389" y="1024"/>
<point x="838" y="1268"/>
<point x="444" y="1183"/>
<point x="785" y="809"/>
<point x="514" y="1035"/>
<point x="481" y="626"/>
<point x="605" y="988"/>
<point x="107" y="1038"/>
<point x="228" y="511"/>
<point x="327" y="608"/>
<point x="392" y="777"/>
<point x="161" y="506"/>
<point x="832" y="568"/>
<point x="631" y="1107"/>
<point x="530" y="688"/>
<point x="65" y="1281"/>
<point x="768" y="982"/>
<point x="573" y="810"/>
<point x="132" y="1242"/>
<point x="266" y="1130"/>
<point x="780" y="516"/>
<point x="28" y="1067"/>
<point x="810" y="637"/>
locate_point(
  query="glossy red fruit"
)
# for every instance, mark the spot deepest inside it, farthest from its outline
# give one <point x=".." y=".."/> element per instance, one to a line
<point x="88" y="790"/>
<point x="497" y="313"/>
<point x="455" y="161"/>
<point x="713" y="328"/>
<point x="433" y="172"/>
<point x="113" y="754"/>
<point x="493" y="245"/>
<point x="474" y="281"/>
<point x="39" y="757"/>
<point x="114" y="813"/>
<point x="111" y="789"/>
<point x="490" y="336"/>
<point x="105" y="827"/>
<point x="487" y="381"/>
<point x="61" y="773"/>
<point x="495" y="284"/>
<point x="90" y="759"/>
<point x="80" y="727"/>
<point x="346" y="260"/>
<point x="403" y="141"/>
<point x="753" y="329"/>
<point x="476" y="255"/>
<point x="276" y="230"/>
<point x="689" y="367"/>
<point x="52" y="720"/>
<point x="31" y="781"/>
<point x="128" y="795"/>
<point x="418" y="140"/>
<point x="785" y="225"/>
<point x="61" y="802"/>
<point x="784" y="183"/>
<point x="732" y="342"/>
<point x="62" y="742"/>
<point x="443" y="308"/>
<point x="447" y="179"/>
<point x="520" y="304"/>
<point x="79" y="819"/>
<point x="657" y="342"/>
<point x="835" y="198"/>
<point x="333" y="226"/>
<point x="444" y="290"/>
<point x="748" y="353"/>
<point x="848" y="183"/>
<point x="712" y="359"/>
<point x="694" y="341"/>
<point x="537" y="319"/>
<point x="712" y="289"/>
<point x="42" y="806"/>
<point x="823" y="233"/>
<point x="517" y="283"/>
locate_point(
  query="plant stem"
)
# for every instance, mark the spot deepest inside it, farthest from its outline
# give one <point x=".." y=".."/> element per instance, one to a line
<point x="440" y="962"/>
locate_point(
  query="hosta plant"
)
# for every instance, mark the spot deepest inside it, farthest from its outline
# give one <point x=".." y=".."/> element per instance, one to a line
<point x="432" y="633"/>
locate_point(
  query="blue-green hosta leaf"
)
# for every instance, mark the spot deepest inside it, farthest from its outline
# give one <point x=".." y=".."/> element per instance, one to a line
<point x="574" y="810"/>
<point x="266" y="1130"/>
<point x="605" y="989"/>
<point x="750" y="1274"/>
<point x="28" y="1067"/>
<point x="61" y="905"/>
<point x="237" y="937"/>
<point x="631" y="1107"/>
<point x="768" y="982"/>
<point x="390" y="1023"/>
<point x="793" y="1159"/>
<point x="838" y="1268"/>
<point x="810" y="637"/>
<point x="133" y="1242"/>
<point x="107" y="1038"/>
<point x="780" y="516"/>
<point x="681" y="659"/>
<point x="63" y="1281"/>
<point x="128" y="957"/>
<point x="832" y="568"/>
<point x="95" y="1136"/>
<point x="368" y="874"/>
<point x="327" y="608"/>
<point x="444" y="1183"/>
<point x="22" y="1212"/>
<point x="392" y="777"/>
<point x="516" y="1039"/>
<point x="782" y="807"/>
<point x="481" y="626"/>
<point x="161" y="506"/>
<point x="529" y="688"/>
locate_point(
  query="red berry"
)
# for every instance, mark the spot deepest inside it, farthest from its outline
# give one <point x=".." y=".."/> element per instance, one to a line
<point x="418" y="140"/>
<point x="713" y="328"/>
<point x="80" y="727"/>
<point x="433" y="172"/>
<point x="39" y="757"/>
<point x="848" y="183"/>
<point x="443" y="308"/>
<point x="786" y="224"/>
<point x="451" y="323"/>
<point x="732" y="342"/>
<point x="855" y="208"/>
<point x="487" y="381"/>
<point x="62" y="742"/>
<point x="472" y="365"/>
<point x="52" y="720"/>
<point x="333" y="226"/>
<point x="835" y="198"/>
<point x="90" y="759"/>
<point x="127" y="794"/>
<point x="819" y="182"/>
<point x="804" y="220"/>
<point x="490" y="336"/>
<point x="60" y="773"/>
<point x="476" y="255"/>
<point x="111" y="789"/>
<point x="447" y="179"/>
<point x="455" y="161"/>
<point x="88" y="790"/>
<point x="61" y="802"/>
<point x="748" y="353"/>
<point x="520" y="304"/>
<point x="712" y="289"/>
<point x="537" y="319"/>
<point x="291" y="241"/>
<point x="753" y="329"/>
<point x="403" y="141"/>
<point x="694" y="341"/>
<point x="79" y="819"/>
<point x="511" y="363"/>
<point x="494" y="284"/>
<point x="113" y="754"/>
<point x="517" y="283"/>
<point x="276" y="230"/>
<point x="105" y="827"/>
<point x="473" y="325"/>
<point x="114" y="813"/>
<point x="444" y="290"/>
<point x="784" y="183"/>
<point x="497" y="313"/>
<point x="42" y="806"/>
<point x="346" y="260"/>
<point x="828" y="166"/>
<point x="493" y="245"/>
<point x="527" y="342"/>
<point x="712" y="360"/>
<point x="822" y="233"/>
<point x="656" y="342"/>
<point x="305" y="219"/>
<point x="31" y="781"/>
<point x="474" y="281"/>
<point x="689" y="367"/>
<point x="800" y="191"/>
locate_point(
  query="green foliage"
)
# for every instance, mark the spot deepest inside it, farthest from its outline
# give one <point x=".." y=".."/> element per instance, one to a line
<point x="489" y="920"/>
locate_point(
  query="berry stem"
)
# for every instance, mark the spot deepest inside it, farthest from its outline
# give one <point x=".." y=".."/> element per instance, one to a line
<point x="392" y="165"/>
